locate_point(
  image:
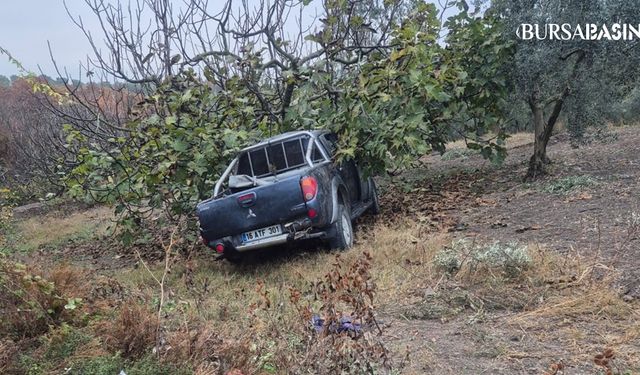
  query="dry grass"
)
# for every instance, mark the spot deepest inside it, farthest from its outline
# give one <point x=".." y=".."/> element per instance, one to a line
<point x="132" y="332"/>
<point x="580" y="310"/>
<point x="222" y="299"/>
<point x="54" y="230"/>
<point x="219" y="318"/>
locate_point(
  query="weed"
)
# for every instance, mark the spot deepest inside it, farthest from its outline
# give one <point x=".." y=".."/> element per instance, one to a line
<point x="31" y="302"/>
<point x="114" y="364"/>
<point x="569" y="184"/>
<point x="149" y="365"/>
<point x="347" y="292"/>
<point x="448" y="261"/>
<point x="133" y="332"/>
<point x="101" y="365"/>
<point x="509" y="259"/>
<point x="62" y="342"/>
<point x="457" y="153"/>
<point x="8" y="351"/>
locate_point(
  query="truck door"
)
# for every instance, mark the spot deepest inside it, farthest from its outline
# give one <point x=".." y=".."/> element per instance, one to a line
<point x="347" y="169"/>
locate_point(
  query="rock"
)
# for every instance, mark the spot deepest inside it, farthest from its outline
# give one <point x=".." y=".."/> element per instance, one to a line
<point x="29" y="209"/>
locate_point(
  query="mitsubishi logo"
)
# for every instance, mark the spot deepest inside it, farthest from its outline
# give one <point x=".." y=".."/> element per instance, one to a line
<point x="251" y="214"/>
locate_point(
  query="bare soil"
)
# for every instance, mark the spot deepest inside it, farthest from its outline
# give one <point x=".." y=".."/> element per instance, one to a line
<point x="478" y="200"/>
<point x="473" y="199"/>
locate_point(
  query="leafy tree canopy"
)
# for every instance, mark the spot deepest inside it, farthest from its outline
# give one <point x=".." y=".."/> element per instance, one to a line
<point x="390" y="98"/>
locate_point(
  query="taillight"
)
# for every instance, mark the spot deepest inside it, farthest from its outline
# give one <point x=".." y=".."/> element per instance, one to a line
<point x="309" y="187"/>
<point x="220" y="248"/>
<point x="312" y="213"/>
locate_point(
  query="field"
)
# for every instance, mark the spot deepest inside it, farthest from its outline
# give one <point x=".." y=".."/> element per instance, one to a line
<point x="469" y="270"/>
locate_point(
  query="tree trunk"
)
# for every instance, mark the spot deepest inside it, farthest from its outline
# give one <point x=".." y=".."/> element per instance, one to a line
<point x="542" y="128"/>
<point x="539" y="158"/>
<point x="542" y="132"/>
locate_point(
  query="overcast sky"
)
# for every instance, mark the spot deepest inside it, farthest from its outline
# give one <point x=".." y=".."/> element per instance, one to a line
<point x="27" y="25"/>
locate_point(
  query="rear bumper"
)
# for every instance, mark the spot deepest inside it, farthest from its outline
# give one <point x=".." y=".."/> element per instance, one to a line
<point x="293" y="231"/>
<point x="277" y="240"/>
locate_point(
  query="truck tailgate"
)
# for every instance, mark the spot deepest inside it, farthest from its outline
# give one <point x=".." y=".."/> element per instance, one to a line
<point x="255" y="208"/>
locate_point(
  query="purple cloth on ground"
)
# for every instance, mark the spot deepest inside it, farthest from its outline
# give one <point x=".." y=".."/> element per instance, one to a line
<point x="345" y="325"/>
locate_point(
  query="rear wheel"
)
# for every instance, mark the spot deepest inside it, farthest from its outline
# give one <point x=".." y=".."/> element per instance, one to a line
<point x="341" y="232"/>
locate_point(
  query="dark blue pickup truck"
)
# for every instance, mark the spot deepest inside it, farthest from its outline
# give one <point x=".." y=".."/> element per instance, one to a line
<point x="286" y="188"/>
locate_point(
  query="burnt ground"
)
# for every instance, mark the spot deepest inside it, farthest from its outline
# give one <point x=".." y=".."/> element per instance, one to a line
<point x="473" y="199"/>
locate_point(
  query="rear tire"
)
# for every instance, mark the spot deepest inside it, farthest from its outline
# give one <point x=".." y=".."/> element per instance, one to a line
<point x="341" y="232"/>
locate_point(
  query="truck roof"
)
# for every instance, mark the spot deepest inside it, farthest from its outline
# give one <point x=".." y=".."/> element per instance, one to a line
<point x="283" y="136"/>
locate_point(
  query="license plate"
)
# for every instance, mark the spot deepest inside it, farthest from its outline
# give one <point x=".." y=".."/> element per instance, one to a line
<point x="261" y="233"/>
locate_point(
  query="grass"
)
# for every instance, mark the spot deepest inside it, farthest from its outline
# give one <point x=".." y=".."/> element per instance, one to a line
<point x="458" y="153"/>
<point x="218" y="317"/>
<point x="53" y="231"/>
<point x="569" y="184"/>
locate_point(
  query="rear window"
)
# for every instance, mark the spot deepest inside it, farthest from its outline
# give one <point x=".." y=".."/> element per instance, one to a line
<point x="277" y="157"/>
<point x="294" y="152"/>
<point x="259" y="162"/>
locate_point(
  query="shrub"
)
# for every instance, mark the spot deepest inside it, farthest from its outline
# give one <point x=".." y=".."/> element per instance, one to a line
<point x="568" y="184"/>
<point x="509" y="259"/>
<point x="32" y="302"/>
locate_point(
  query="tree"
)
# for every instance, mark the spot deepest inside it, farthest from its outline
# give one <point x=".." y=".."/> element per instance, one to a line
<point x="372" y="71"/>
<point x="577" y="79"/>
<point x="32" y="140"/>
<point x="4" y="81"/>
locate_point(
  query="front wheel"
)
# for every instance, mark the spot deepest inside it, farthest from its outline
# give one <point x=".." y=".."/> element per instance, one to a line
<point x="341" y="232"/>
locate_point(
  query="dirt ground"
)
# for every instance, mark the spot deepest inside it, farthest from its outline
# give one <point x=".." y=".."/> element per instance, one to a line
<point x="591" y="220"/>
<point x="474" y="199"/>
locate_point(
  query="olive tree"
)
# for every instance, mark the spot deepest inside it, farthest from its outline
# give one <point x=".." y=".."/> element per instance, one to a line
<point x="575" y="78"/>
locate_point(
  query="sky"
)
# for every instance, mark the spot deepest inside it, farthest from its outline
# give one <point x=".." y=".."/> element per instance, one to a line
<point x="27" y="25"/>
